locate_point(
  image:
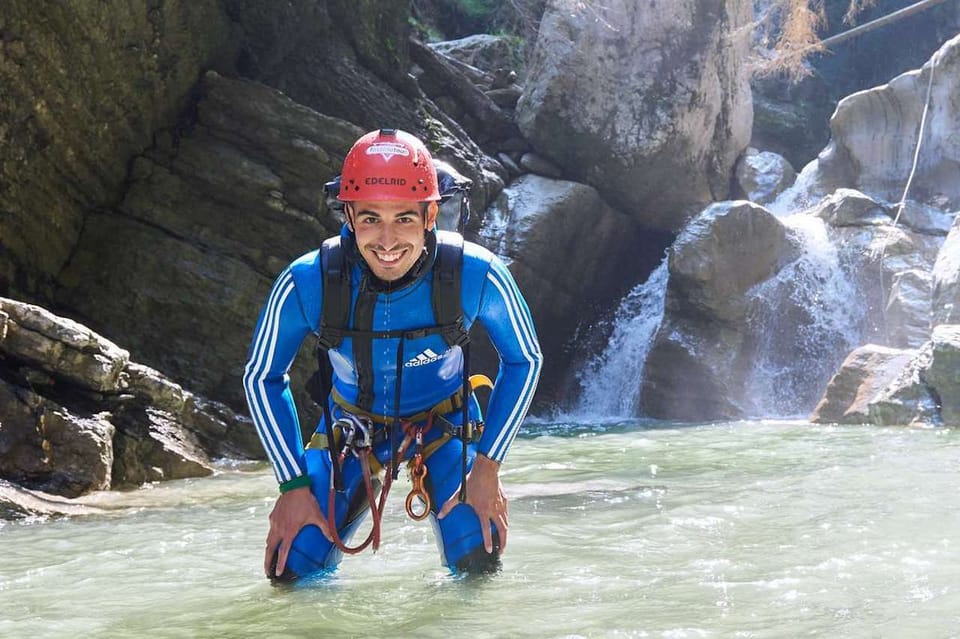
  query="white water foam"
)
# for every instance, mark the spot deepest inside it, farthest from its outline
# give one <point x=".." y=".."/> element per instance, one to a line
<point x="611" y="381"/>
<point x="803" y="319"/>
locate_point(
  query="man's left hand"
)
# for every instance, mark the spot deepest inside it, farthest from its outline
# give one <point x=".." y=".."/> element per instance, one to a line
<point x="485" y="495"/>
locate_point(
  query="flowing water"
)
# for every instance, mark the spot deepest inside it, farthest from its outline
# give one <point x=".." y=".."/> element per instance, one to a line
<point x="746" y="529"/>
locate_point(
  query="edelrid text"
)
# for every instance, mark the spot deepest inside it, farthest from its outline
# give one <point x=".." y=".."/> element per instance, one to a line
<point x="382" y="181"/>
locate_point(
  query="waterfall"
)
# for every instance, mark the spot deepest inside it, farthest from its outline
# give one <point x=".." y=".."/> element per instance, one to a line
<point x="803" y="319"/>
<point x="801" y="323"/>
<point x="610" y="382"/>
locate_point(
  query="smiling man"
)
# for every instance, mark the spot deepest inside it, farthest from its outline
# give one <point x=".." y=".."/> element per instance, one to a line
<point x="391" y="300"/>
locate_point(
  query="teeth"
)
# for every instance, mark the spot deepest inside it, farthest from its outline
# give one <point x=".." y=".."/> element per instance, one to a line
<point x="390" y="257"/>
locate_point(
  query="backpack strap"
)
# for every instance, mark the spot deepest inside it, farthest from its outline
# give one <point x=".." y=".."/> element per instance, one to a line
<point x="335" y="314"/>
<point x="447" y="277"/>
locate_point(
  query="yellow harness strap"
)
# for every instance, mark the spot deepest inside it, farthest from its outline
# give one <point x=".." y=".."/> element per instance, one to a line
<point x="452" y="403"/>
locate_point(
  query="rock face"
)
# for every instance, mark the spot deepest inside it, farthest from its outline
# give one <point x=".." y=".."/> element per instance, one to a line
<point x="76" y="415"/>
<point x="180" y="268"/>
<point x="865" y="372"/>
<point x="540" y="225"/>
<point x="946" y="280"/>
<point x="874" y="135"/>
<point x="662" y="107"/>
<point x="700" y="360"/>
<point x="84" y="88"/>
<point x="763" y="175"/>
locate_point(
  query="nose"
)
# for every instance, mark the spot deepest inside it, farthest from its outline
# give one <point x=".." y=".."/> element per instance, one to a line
<point x="388" y="236"/>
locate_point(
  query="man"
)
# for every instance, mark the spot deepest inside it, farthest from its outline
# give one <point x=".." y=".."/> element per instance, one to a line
<point x="396" y="373"/>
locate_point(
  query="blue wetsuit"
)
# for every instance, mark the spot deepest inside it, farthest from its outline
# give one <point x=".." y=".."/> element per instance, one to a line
<point x="432" y="372"/>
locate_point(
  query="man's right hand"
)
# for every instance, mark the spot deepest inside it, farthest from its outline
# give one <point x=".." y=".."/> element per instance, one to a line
<point x="293" y="510"/>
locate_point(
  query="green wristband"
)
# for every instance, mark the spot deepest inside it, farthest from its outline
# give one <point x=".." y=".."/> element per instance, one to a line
<point x="297" y="482"/>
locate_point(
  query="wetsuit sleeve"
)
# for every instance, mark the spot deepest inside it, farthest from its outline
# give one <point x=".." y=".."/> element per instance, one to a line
<point x="504" y="314"/>
<point x="280" y="330"/>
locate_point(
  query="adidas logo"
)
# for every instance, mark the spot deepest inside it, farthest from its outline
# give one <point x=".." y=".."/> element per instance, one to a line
<point x="426" y="357"/>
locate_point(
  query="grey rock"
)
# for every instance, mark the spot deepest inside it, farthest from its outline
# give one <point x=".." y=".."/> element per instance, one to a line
<point x="946" y="280"/>
<point x="849" y="207"/>
<point x="943" y="373"/>
<point x="874" y="133"/>
<point x="763" y="175"/>
<point x="505" y="98"/>
<point x="61" y="347"/>
<point x="924" y="218"/>
<point x="534" y="163"/>
<point x="538" y="226"/>
<point x="908" y="309"/>
<point x="46" y="446"/>
<point x="866" y="371"/>
<point x="512" y="168"/>
<point x="656" y="126"/>
<point x="123" y="72"/>
<point x="907" y="400"/>
<point x="151" y="446"/>
<point x="701" y="356"/>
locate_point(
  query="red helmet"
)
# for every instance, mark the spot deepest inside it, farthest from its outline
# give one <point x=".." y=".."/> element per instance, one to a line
<point x="388" y="164"/>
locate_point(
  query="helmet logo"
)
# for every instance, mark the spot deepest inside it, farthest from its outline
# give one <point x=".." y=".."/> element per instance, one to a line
<point x="387" y="150"/>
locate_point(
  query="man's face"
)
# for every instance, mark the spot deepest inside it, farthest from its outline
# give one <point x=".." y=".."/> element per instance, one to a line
<point x="390" y="235"/>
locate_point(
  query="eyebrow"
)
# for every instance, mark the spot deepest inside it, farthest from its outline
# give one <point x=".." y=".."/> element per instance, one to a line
<point x="376" y="214"/>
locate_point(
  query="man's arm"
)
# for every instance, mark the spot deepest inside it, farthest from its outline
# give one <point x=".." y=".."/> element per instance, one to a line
<point x="277" y="338"/>
<point x="506" y="318"/>
<point x="504" y="314"/>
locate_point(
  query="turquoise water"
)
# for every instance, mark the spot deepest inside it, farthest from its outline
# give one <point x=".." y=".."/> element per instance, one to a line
<point x="747" y="529"/>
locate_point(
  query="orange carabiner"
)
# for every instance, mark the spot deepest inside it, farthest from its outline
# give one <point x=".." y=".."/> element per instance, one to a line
<point x="416" y="475"/>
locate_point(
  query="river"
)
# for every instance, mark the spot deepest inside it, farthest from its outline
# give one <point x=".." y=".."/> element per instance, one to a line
<point x="744" y="529"/>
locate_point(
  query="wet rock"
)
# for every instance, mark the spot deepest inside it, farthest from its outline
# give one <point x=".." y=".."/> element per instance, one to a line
<point x="908" y="309"/>
<point x="763" y="175"/>
<point x="849" y="207"/>
<point x="181" y="269"/>
<point x="865" y="372"/>
<point x="505" y="98"/>
<point x="657" y="127"/>
<point x="534" y="163"/>
<point x="907" y="400"/>
<point x="152" y="446"/>
<point x="698" y="364"/>
<point x="946" y="279"/>
<point x="47" y="447"/>
<point x="538" y="226"/>
<point x="512" y="168"/>
<point x="66" y="349"/>
<point x="943" y="372"/>
<point x="924" y="218"/>
<point x="874" y="134"/>
<point x="84" y="88"/>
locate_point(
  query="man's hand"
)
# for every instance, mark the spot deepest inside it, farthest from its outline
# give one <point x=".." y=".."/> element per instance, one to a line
<point x="485" y="494"/>
<point x="293" y="510"/>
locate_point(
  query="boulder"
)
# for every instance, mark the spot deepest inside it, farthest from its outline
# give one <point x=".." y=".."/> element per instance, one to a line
<point x="763" y="175"/>
<point x="180" y="270"/>
<point x="50" y="448"/>
<point x="908" y="309"/>
<point x="85" y="86"/>
<point x="907" y="400"/>
<point x="849" y="207"/>
<point x="946" y="279"/>
<point x="925" y="218"/>
<point x="151" y="446"/>
<point x="60" y="346"/>
<point x="538" y="226"/>
<point x="702" y="354"/>
<point x="943" y="372"/>
<point x="865" y="372"/>
<point x="874" y="134"/>
<point x="657" y="127"/>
